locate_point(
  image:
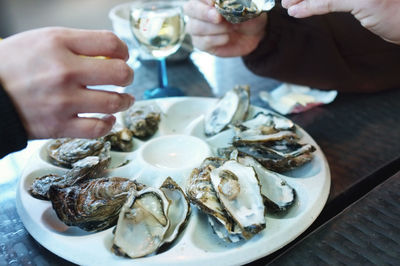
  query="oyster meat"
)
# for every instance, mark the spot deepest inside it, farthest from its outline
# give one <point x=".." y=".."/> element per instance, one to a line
<point x="238" y="189"/>
<point x="121" y="138"/>
<point x="64" y="152"/>
<point x="142" y="120"/>
<point x="231" y="109"/>
<point x="93" y="205"/>
<point x="236" y="11"/>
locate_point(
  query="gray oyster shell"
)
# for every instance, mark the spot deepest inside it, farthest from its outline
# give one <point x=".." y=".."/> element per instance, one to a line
<point x="66" y="151"/>
<point x="236" y="11"/>
<point x="231" y="109"/>
<point x="143" y="120"/>
<point x="90" y="167"/>
<point x="93" y="205"/>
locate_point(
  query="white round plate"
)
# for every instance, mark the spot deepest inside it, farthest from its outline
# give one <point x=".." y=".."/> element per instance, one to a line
<point x="177" y="147"/>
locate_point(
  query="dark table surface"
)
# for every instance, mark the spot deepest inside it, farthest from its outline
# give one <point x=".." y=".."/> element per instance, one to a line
<point x="358" y="133"/>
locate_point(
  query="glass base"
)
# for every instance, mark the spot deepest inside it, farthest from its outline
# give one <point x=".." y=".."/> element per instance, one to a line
<point x="162" y="92"/>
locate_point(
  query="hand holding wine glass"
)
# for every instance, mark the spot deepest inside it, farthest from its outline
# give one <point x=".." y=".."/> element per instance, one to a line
<point x="159" y="29"/>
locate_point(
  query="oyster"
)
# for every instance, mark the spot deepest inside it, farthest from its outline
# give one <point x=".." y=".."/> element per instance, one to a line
<point x="178" y="211"/>
<point x="120" y="138"/>
<point x="64" y="152"/>
<point x="236" y="11"/>
<point x="93" y="205"/>
<point x="202" y="193"/>
<point x="142" y="223"/>
<point x="142" y="120"/>
<point x="90" y="167"/>
<point x="231" y="109"/>
<point x="238" y="190"/>
<point x="278" y="194"/>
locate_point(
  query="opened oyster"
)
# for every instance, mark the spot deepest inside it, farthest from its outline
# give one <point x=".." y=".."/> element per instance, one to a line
<point x="231" y="109"/>
<point x="230" y="194"/>
<point x="236" y="11"/>
<point x="66" y="151"/>
<point x="142" y="120"/>
<point x="93" y="205"/>
<point x="272" y="140"/>
<point x="90" y="167"/>
<point x="278" y="195"/>
<point x="120" y="138"/>
<point x="150" y="218"/>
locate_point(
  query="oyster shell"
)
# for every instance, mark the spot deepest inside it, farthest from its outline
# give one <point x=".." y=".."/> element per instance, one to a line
<point x="202" y="194"/>
<point x="278" y="194"/>
<point x="93" y="205"/>
<point x="142" y="120"/>
<point x="142" y="223"/>
<point x="236" y="11"/>
<point x="231" y="109"/>
<point x="90" y="167"/>
<point x="121" y="138"/>
<point x="178" y="211"/>
<point x="238" y="190"/>
<point x="66" y="151"/>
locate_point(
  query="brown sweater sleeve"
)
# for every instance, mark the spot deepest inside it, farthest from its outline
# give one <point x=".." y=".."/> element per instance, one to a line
<point x="332" y="51"/>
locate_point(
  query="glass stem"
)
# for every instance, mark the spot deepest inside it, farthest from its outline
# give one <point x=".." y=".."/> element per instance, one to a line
<point x="162" y="73"/>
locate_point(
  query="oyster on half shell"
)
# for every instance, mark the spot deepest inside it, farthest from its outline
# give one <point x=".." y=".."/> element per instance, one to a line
<point x="236" y="11"/>
<point x="231" y="109"/>
<point x="142" y="120"/>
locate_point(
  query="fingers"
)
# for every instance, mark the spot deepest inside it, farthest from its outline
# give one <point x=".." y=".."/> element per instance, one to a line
<point x="84" y="127"/>
<point x="306" y="8"/>
<point x="202" y="10"/>
<point x="208" y="43"/>
<point x="94" y="43"/>
<point x="288" y="3"/>
<point x="201" y="28"/>
<point x="93" y="71"/>
<point x="96" y="101"/>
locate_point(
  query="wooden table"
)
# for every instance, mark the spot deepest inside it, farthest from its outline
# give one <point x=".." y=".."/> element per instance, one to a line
<point x="359" y="134"/>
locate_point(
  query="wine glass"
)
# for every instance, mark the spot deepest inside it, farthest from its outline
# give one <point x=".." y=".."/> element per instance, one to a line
<point x="159" y="29"/>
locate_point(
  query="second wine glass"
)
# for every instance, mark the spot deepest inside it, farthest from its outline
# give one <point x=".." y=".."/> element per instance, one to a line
<point x="159" y="29"/>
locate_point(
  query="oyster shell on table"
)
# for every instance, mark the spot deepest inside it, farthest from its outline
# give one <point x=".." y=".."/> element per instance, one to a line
<point x="142" y="120"/>
<point x="90" y="167"/>
<point x="236" y="11"/>
<point x="66" y="151"/>
<point x="231" y="109"/>
<point x="93" y="205"/>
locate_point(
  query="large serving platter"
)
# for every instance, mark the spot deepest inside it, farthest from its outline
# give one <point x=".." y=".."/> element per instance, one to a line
<point x="177" y="147"/>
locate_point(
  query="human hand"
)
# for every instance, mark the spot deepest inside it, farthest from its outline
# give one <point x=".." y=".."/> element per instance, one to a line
<point x="45" y="76"/>
<point x="379" y="16"/>
<point x="212" y="33"/>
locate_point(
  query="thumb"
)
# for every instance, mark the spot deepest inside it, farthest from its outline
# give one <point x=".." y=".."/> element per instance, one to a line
<point x="308" y="8"/>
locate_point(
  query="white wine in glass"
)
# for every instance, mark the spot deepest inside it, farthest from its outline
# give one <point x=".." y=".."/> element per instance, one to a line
<point x="159" y="29"/>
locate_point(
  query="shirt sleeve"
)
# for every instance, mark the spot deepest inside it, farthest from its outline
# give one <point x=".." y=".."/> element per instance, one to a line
<point x="330" y="51"/>
<point x="13" y="136"/>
